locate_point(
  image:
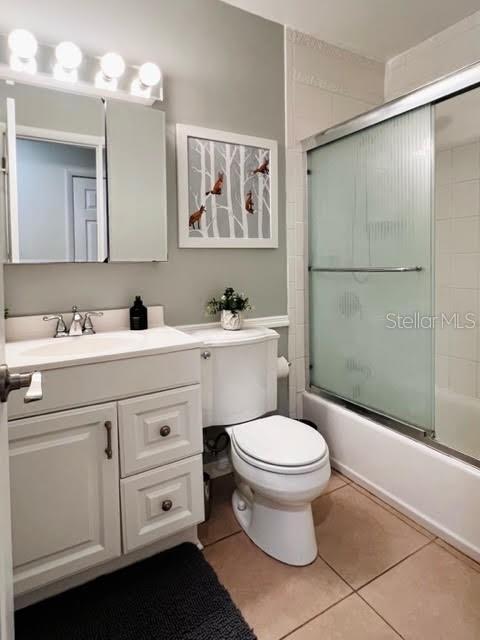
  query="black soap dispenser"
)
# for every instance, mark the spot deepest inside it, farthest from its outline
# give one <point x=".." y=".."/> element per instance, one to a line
<point x="138" y="315"/>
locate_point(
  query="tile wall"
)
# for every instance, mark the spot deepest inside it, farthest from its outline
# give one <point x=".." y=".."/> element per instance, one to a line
<point x="457" y="236"/>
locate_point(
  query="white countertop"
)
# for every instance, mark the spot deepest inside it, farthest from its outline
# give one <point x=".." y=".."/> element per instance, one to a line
<point x="56" y="353"/>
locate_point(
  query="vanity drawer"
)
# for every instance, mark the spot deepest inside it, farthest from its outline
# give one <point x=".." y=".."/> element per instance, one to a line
<point x="159" y="428"/>
<point x="87" y="384"/>
<point x="159" y="503"/>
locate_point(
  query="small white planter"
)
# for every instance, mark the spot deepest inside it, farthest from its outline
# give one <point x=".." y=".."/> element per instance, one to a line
<point x="231" y="321"/>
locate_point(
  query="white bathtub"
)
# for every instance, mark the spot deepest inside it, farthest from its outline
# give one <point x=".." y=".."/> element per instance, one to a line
<point x="439" y="491"/>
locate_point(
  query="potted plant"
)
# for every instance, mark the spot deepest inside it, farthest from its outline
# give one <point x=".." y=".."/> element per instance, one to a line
<point x="231" y="306"/>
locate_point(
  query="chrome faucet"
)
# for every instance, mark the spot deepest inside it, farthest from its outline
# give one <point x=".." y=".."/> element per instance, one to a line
<point x="61" y="329"/>
<point x="88" y="329"/>
<point x="81" y="325"/>
<point x="76" y="328"/>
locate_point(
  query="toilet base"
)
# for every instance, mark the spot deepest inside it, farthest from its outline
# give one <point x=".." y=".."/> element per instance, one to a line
<point x="284" y="532"/>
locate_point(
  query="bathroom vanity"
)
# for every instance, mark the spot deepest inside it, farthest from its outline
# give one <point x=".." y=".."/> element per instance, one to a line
<point x="109" y="463"/>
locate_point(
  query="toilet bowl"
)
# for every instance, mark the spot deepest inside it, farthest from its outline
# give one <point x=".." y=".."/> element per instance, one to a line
<point x="281" y="466"/>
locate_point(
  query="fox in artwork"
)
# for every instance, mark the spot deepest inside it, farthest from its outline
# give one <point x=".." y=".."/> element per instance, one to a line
<point x="263" y="168"/>
<point x="216" y="190"/>
<point x="196" y="217"/>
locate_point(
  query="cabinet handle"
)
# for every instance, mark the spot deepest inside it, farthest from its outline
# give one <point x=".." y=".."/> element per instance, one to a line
<point x="167" y="505"/>
<point x="165" y="431"/>
<point x="108" y="449"/>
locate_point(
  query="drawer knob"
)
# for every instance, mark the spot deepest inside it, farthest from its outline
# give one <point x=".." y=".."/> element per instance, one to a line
<point x="165" y="431"/>
<point x="167" y="505"/>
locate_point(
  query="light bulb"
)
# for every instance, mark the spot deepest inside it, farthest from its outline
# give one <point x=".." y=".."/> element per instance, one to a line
<point x="22" y="44"/>
<point x="112" y="66"/>
<point x="68" y="55"/>
<point x="149" y="74"/>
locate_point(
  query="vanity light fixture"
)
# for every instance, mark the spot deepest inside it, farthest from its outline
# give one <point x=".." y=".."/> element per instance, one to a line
<point x="112" y="67"/>
<point x="23" y="59"/>
<point x="23" y="47"/>
<point x="149" y="75"/>
<point x="68" y="59"/>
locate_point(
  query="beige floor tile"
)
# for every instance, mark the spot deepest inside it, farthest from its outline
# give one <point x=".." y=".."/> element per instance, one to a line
<point x="336" y="481"/>
<point x="344" y="478"/>
<point x="222" y="522"/>
<point x="458" y="554"/>
<point x="350" y="619"/>
<point x="274" y="598"/>
<point x="430" y="596"/>
<point x="360" y="539"/>
<point x="400" y="515"/>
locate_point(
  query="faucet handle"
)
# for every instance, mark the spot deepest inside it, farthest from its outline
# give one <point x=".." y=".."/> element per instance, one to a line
<point x="61" y="330"/>
<point x="87" y="321"/>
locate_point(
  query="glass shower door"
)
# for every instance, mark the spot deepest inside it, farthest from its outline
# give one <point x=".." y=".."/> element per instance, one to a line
<point x="370" y="212"/>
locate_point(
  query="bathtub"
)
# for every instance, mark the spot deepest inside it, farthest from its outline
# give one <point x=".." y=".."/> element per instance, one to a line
<point x="438" y="491"/>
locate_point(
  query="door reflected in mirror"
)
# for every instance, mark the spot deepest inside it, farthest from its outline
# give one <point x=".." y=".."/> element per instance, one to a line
<point x="59" y="217"/>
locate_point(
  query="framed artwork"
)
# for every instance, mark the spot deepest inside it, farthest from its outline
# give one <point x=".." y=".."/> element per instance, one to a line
<point x="227" y="189"/>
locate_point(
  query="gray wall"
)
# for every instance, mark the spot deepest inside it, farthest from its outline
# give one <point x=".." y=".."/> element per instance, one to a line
<point x="223" y="69"/>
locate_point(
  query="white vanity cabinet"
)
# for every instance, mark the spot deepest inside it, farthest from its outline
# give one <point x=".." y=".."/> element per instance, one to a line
<point x="110" y="460"/>
<point x="159" y="428"/>
<point x="65" y="503"/>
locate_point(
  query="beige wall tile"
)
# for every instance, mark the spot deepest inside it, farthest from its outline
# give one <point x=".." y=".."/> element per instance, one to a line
<point x="466" y="162"/>
<point x="465" y="198"/>
<point x="462" y="376"/>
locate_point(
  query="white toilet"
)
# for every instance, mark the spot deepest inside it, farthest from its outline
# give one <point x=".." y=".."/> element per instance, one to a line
<point x="281" y="465"/>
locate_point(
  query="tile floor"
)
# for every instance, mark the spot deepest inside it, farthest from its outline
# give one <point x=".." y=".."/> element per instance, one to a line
<point x="378" y="576"/>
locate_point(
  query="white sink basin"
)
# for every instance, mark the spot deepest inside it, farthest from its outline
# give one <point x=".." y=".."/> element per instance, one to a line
<point x="52" y="353"/>
<point x="81" y="345"/>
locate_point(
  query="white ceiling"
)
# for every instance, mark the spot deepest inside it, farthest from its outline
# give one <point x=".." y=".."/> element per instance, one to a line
<point x="378" y="29"/>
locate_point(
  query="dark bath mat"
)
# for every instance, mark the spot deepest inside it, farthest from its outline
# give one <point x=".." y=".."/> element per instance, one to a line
<point x="173" y="596"/>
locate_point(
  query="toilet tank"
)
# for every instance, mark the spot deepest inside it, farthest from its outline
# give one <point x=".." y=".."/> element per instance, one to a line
<point x="239" y="374"/>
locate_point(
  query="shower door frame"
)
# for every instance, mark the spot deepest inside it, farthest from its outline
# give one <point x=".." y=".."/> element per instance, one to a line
<point x="448" y="86"/>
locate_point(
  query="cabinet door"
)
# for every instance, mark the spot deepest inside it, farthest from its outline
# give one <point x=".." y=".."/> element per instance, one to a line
<point x="159" y="503"/>
<point x="159" y="428"/>
<point x="137" y="187"/>
<point x="64" y="492"/>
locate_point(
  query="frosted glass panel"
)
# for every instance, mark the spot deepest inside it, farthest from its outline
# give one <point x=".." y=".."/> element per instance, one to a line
<point x="370" y="205"/>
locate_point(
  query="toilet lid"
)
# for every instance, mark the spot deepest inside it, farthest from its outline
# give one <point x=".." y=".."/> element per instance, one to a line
<point x="280" y="441"/>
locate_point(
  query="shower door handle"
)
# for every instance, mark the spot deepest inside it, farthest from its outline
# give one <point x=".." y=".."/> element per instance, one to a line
<point x="365" y="269"/>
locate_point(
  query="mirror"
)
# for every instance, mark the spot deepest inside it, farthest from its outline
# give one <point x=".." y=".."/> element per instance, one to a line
<point x="71" y="197"/>
<point x="56" y="147"/>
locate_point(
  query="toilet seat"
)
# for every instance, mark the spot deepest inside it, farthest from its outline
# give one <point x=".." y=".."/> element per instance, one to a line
<point x="280" y="445"/>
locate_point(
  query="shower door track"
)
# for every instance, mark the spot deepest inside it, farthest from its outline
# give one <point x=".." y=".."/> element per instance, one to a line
<point x="411" y="431"/>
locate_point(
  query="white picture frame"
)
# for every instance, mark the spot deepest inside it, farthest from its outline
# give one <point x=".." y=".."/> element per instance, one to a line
<point x="243" y="211"/>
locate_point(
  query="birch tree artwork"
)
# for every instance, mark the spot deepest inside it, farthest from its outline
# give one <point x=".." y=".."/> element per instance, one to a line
<point x="229" y="190"/>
